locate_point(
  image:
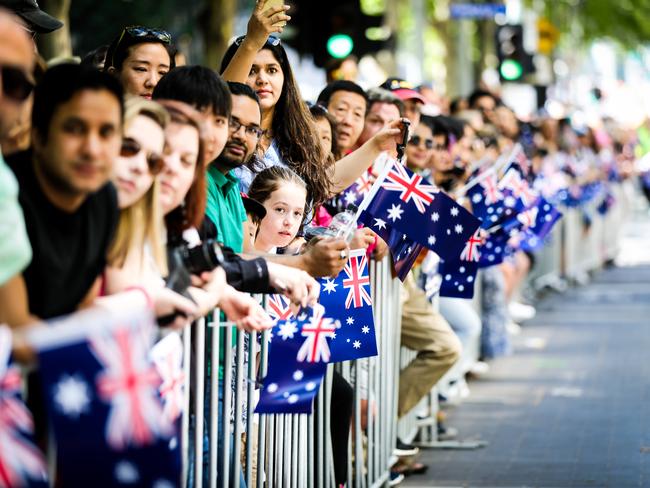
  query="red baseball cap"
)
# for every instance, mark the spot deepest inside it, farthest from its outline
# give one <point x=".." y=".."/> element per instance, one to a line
<point x="403" y="90"/>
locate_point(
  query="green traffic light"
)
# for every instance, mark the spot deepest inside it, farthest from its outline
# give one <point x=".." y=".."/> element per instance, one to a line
<point x="340" y="45"/>
<point x="511" y="70"/>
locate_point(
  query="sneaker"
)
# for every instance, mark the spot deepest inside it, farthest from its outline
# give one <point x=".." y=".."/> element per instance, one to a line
<point x="479" y="368"/>
<point x="521" y="312"/>
<point x="402" y="449"/>
<point x="395" y="478"/>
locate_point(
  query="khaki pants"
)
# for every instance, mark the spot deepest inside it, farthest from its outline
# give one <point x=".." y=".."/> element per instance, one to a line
<point x="428" y="333"/>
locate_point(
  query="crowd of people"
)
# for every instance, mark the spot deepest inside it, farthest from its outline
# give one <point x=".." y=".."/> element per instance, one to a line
<point x="116" y="168"/>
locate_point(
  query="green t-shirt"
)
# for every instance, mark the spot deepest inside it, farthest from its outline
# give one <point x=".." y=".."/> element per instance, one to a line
<point x="225" y="208"/>
<point x="15" y="250"/>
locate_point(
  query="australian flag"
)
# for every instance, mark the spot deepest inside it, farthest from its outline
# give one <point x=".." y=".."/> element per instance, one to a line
<point x="298" y="357"/>
<point x="347" y="299"/>
<point x="411" y="205"/>
<point x="21" y="463"/>
<point x="403" y="249"/>
<point x="546" y="215"/>
<point x="102" y="395"/>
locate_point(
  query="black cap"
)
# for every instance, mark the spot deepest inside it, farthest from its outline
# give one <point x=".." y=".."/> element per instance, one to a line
<point x="30" y="12"/>
<point x="253" y="206"/>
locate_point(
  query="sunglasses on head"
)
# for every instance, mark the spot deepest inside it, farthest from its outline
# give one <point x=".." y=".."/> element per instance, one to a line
<point x="272" y="41"/>
<point x="416" y="140"/>
<point x="137" y="31"/>
<point x="15" y="83"/>
<point x="131" y="148"/>
<point x="140" y="32"/>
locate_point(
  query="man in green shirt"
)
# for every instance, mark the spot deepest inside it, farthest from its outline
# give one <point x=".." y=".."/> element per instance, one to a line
<point x="225" y="207"/>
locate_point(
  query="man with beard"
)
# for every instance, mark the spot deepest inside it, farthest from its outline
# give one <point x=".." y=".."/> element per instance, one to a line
<point x="225" y="207"/>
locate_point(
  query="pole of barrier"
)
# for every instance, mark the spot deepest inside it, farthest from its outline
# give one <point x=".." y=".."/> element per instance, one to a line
<point x="214" y="403"/>
<point x="185" y="421"/>
<point x="199" y="347"/>
<point x="261" y="433"/>
<point x="250" y="387"/>
<point x="226" y="406"/>
<point x="238" y="409"/>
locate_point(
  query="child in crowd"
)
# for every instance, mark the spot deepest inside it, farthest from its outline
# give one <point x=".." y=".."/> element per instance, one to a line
<point x="284" y="196"/>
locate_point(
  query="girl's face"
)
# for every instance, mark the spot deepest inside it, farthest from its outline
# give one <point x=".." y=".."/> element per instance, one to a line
<point x="181" y="157"/>
<point x="285" y="210"/>
<point x="324" y="134"/>
<point x="420" y="147"/>
<point x="266" y="78"/>
<point x="132" y="174"/>
<point x="143" y="68"/>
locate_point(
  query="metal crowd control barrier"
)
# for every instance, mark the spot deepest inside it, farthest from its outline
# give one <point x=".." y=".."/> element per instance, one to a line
<point x="226" y="445"/>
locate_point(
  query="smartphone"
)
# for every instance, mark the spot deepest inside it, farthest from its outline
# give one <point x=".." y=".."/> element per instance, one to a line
<point x="405" y="138"/>
<point x="275" y="3"/>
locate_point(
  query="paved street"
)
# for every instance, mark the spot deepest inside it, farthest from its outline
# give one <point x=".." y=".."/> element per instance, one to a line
<point x="571" y="407"/>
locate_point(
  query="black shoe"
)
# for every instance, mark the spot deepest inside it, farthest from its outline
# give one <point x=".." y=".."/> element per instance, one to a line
<point x="446" y="433"/>
<point x="403" y="449"/>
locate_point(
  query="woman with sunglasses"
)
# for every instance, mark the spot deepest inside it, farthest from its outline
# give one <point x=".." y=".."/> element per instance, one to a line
<point x="420" y="148"/>
<point x="138" y="252"/>
<point x="140" y="57"/>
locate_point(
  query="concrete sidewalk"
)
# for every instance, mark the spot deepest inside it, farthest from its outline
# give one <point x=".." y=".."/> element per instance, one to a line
<point x="571" y="407"/>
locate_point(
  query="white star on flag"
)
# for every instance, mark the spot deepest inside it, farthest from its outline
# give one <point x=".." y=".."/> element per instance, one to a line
<point x="330" y="285"/>
<point x="365" y="329"/>
<point x="298" y="375"/>
<point x="287" y="330"/>
<point x="356" y="344"/>
<point x="458" y="229"/>
<point x="350" y="197"/>
<point x="432" y="240"/>
<point x="435" y="216"/>
<point x="454" y="211"/>
<point x="350" y="321"/>
<point x="477" y="198"/>
<point x="72" y="396"/>
<point x="380" y="224"/>
<point x="395" y="212"/>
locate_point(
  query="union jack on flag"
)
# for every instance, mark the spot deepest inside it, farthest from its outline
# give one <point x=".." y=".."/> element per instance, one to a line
<point x="21" y="463"/>
<point x="411" y="187"/>
<point x="356" y="282"/>
<point x="167" y="357"/>
<point x="471" y="252"/>
<point x="528" y="217"/>
<point x="316" y="331"/>
<point x="277" y="306"/>
<point x="492" y="191"/>
<point x="519" y="187"/>
<point x="129" y="383"/>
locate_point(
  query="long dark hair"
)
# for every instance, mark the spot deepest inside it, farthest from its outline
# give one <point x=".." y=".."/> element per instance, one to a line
<point x="293" y="129"/>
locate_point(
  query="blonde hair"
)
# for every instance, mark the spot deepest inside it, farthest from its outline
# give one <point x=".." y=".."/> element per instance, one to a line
<point x="142" y="223"/>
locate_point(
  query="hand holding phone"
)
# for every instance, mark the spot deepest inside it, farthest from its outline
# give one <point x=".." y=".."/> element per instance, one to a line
<point x="269" y="4"/>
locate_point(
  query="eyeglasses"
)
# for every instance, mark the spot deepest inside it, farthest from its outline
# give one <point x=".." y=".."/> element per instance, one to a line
<point x="15" y="83"/>
<point x="131" y="148"/>
<point x="250" y="130"/>
<point x="140" y="32"/>
<point x="272" y="40"/>
<point x="416" y="140"/>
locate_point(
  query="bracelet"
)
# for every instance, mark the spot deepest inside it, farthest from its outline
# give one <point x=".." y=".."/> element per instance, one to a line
<point x="144" y="292"/>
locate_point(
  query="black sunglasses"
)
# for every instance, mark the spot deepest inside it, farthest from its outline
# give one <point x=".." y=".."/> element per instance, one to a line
<point x="416" y="140"/>
<point x="131" y="148"/>
<point x="272" y="40"/>
<point x="15" y="83"/>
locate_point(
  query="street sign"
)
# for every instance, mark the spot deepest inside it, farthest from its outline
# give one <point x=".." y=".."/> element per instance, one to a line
<point x="476" y="10"/>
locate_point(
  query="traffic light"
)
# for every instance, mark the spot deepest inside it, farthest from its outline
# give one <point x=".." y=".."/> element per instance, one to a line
<point x="335" y="29"/>
<point x="514" y="61"/>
